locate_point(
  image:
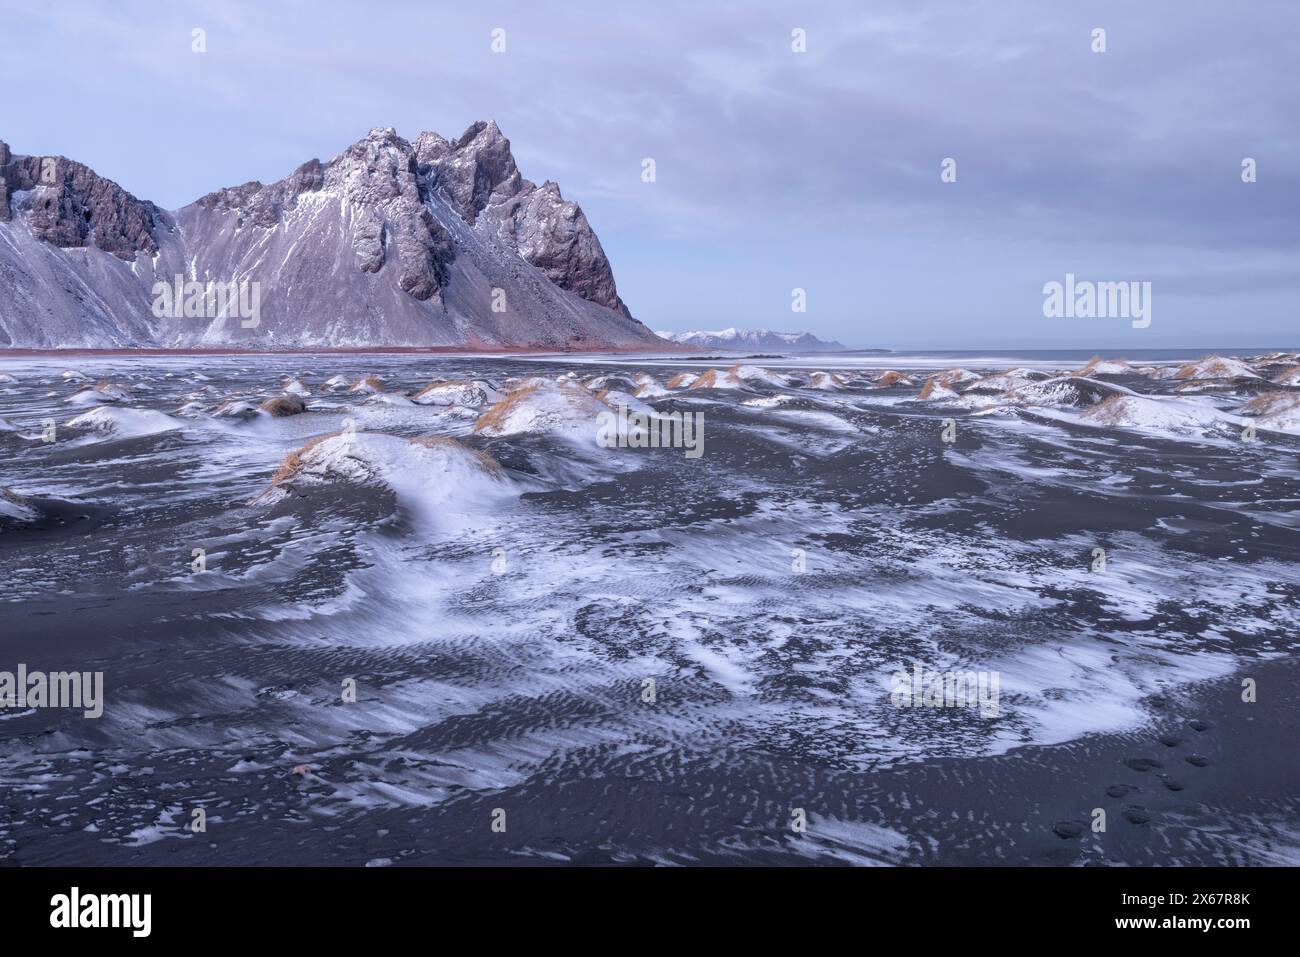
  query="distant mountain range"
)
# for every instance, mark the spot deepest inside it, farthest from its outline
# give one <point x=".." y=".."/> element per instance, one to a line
<point x="748" y="339"/>
<point x="429" y="242"/>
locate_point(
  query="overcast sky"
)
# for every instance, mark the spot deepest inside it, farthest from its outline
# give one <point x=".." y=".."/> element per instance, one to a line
<point x="775" y="169"/>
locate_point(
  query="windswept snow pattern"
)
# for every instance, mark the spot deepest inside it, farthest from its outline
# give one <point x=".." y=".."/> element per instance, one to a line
<point x="643" y="657"/>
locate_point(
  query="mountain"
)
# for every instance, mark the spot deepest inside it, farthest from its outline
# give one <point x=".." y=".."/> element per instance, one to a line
<point x="430" y="242"/>
<point x="748" y="339"/>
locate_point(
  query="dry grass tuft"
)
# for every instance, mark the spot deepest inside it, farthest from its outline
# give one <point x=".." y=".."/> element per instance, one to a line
<point x="284" y="405"/>
<point x="443" y="384"/>
<point x="1268" y="402"/>
<point x="14" y="497"/>
<point x="494" y="416"/>
<point x="1217" y="369"/>
<point x="436" y="441"/>
<point x="293" y="461"/>
<point x="1108" y="412"/>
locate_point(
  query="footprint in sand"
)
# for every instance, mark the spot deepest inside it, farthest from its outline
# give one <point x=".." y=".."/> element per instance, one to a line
<point x="1068" y="829"/>
<point x="1143" y="764"/>
<point x="1198" y="725"/>
<point x="1137" y="814"/>
<point x="1197" y="760"/>
<point x="1119" y="790"/>
<point x="1170" y="741"/>
<point x="1172" y="784"/>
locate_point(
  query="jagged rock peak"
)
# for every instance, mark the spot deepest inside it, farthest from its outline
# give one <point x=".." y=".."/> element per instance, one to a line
<point x="386" y="134"/>
<point x="472" y="172"/>
<point x="69" y="205"/>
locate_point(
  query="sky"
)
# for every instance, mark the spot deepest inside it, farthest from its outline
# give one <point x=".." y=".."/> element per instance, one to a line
<point x="775" y="169"/>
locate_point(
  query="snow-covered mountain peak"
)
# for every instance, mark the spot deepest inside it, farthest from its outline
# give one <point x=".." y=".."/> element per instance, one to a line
<point x="734" y="338"/>
<point x="390" y="242"/>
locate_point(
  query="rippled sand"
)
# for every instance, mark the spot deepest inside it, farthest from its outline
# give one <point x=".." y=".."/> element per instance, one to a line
<point x="501" y="604"/>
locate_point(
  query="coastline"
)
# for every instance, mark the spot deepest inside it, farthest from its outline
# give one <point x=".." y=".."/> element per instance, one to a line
<point x="345" y="350"/>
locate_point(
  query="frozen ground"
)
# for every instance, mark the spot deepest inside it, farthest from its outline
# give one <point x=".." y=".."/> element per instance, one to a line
<point x="501" y="601"/>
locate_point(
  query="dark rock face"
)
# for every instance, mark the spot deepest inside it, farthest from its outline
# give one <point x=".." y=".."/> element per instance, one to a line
<point x="424" y="248"/>
<point x="5" y="214"/>
<point x="554" y="235"/>
<point x="369" y="243"/>
<point x="478" y="170"/>
<point x="265" y="205"/>
<point x="475" y="170"/>
<point x="389" y="243"/>
<point x="71" y="206"/>
<point x="379" y="173"/>
<point x="376" y="175"/>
